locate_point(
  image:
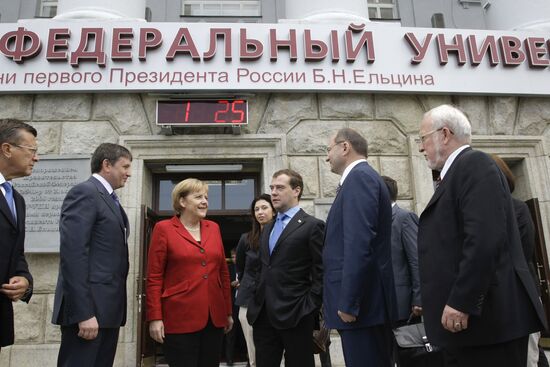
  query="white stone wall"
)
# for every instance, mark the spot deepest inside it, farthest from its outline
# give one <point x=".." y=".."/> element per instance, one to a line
<point x="298" y="127"/>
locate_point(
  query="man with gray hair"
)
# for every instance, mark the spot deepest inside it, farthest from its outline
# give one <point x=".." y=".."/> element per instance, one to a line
<point x="479" y="302"/>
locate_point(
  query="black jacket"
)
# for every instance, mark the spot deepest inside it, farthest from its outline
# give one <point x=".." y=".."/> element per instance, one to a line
<point x="471" y="258"/>
<point x="290" y="281"/>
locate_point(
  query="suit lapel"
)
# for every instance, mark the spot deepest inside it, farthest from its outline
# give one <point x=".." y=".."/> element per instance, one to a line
<point x="19" y="207"/>
<point x="264" y="243"/>
<point x="185" y="234"/>
<point x="444" y="182"/>
<point x="295" y="223"/>
<point x="109" y="201"/>
<point x="4" y="208"/>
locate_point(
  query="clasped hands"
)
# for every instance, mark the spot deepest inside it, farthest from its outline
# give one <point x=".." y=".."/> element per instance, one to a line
<point x="16" y="288"/>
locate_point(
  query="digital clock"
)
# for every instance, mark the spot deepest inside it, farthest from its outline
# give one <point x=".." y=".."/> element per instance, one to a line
<point x="202" y="112"/>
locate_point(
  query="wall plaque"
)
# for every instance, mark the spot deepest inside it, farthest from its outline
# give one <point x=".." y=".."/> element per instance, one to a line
<point x="44" y="192"/>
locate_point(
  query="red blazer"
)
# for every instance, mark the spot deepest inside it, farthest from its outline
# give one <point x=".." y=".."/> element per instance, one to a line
<point x="186" y="281"/>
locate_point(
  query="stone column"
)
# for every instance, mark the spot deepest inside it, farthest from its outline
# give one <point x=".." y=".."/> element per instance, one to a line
<point x="326" y="11"/>
<point x="101" y="9"/>
<point x="527" y="14"/>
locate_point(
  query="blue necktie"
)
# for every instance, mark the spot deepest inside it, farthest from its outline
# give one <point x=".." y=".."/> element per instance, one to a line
<point x="9" y="198"/>
<point x="276" y="232"/>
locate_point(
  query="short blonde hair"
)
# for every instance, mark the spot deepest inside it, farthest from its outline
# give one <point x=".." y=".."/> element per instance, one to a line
<point x="183" y="189"/>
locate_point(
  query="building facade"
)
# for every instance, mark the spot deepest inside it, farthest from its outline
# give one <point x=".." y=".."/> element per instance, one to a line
<point x="286" y="127"/>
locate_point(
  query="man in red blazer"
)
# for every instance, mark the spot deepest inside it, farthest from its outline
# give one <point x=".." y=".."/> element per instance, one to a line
<point x="17" y="158"/>
<point x="479" y="300"/>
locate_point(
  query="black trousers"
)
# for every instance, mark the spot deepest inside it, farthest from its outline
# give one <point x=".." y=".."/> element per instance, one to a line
<point x="75" y="351"/>
<point x="508" y="354"/>
<point x="199" y="349"/>
<point x="296" y="343"/>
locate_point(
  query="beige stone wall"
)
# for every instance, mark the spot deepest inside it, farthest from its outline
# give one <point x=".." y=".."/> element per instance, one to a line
<point x="285" y="130"/>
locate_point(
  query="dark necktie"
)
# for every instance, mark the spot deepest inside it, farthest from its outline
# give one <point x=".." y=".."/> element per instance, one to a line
<point x="117" y="202"/>
<point x="9" y="199"/>
<point x="437" y="182"/>
<point x="338" y="188"/>
<point x="276" y="232"/>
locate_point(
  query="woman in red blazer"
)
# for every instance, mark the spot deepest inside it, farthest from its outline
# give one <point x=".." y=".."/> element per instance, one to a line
<point x="188" y="293"/>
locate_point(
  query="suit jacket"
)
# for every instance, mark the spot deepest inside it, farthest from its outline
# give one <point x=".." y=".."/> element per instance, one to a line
<point x="93" y="258"/>
<point x="290" y="281"/>
<point x="357" y="253"/>
<point x="12" y="261"/>
<point x="471" y="259"/>
<point x="404" y="256"/>
<point x="247" y="266"/>
<point x="526" y="228"/>
<point x="187" y="281"/>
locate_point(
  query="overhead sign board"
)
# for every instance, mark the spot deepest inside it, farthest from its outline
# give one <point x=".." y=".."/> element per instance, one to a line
<point x="89" y="56"/>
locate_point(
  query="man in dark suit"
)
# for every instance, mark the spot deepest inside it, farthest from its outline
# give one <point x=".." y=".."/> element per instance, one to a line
<point x="404" y="255"/>
<point x="90" y="298"/>
<point x="479" y="300"/>
<point x="288" y="294"/>
<point x="358" y="292"/>
<point x="17" y="158"/>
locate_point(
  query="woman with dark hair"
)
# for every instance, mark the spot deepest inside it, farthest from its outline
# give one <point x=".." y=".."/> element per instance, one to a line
<point x="536" y="356"/>
<point x="262" y="212"/>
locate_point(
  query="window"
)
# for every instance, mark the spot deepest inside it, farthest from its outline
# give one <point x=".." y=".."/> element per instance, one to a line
<point x="382" y="9"/>
<point x="48" y="8"/>
<point x="221" y="8"/>
<point x="232" y="193"/>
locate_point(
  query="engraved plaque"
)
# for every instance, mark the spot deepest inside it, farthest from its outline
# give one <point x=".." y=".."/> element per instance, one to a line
<point x="44" y="191"/>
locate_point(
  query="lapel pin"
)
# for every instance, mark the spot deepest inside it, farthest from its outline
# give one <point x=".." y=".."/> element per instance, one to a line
<point x="299" y="221"/>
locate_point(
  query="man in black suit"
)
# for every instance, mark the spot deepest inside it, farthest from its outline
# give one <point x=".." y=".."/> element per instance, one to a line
<point x="288" y="294"/>
<point x="17" y="158"/>
<point x="479" y="300"/>
<point x="90" y="298"/>
<point x="404" y="256"/>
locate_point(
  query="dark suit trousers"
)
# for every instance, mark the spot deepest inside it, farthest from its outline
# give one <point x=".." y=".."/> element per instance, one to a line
<point x="75" y="351"/>
<point x="296" y="343"/>
<point x="508" y="354"/>
<point x="198" y="349"/>
<point x="370" y="346"/>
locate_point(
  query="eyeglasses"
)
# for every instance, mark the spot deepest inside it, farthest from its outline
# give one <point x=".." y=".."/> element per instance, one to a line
<point x="335" y="144"/>
<point x="422" y="138"/>
<point x="33" y="150"/>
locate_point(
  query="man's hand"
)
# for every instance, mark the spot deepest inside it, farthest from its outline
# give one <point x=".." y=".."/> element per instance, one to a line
<point x="454" y="320"/>
<point x="16" y="288"/>
<point x="229" y="325"/>
<point x="88" y="329"/>
<point x="156" y="330"/>
<point x="346" y="317"/>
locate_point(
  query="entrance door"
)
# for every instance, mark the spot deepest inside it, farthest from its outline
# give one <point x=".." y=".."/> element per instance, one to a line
<point x="229" y="199"/>
<point x="146" y="346"/>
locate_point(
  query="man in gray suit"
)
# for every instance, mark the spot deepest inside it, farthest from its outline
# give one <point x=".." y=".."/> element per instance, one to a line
<point x="404" y="257"/>
<point x="90" y="299"/>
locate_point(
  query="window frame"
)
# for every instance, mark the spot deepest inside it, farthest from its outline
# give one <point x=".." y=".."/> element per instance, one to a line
<point x="374" y="4"/>
<point x="47" y="3"/>
<point x="221" y="3"/>
<point x="223" y="177"/>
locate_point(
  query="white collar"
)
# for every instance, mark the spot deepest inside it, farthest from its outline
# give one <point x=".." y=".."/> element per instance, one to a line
<point x="349" y="168"/>
<point x="104" y="182"/>
<point x="451" y="159"/>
